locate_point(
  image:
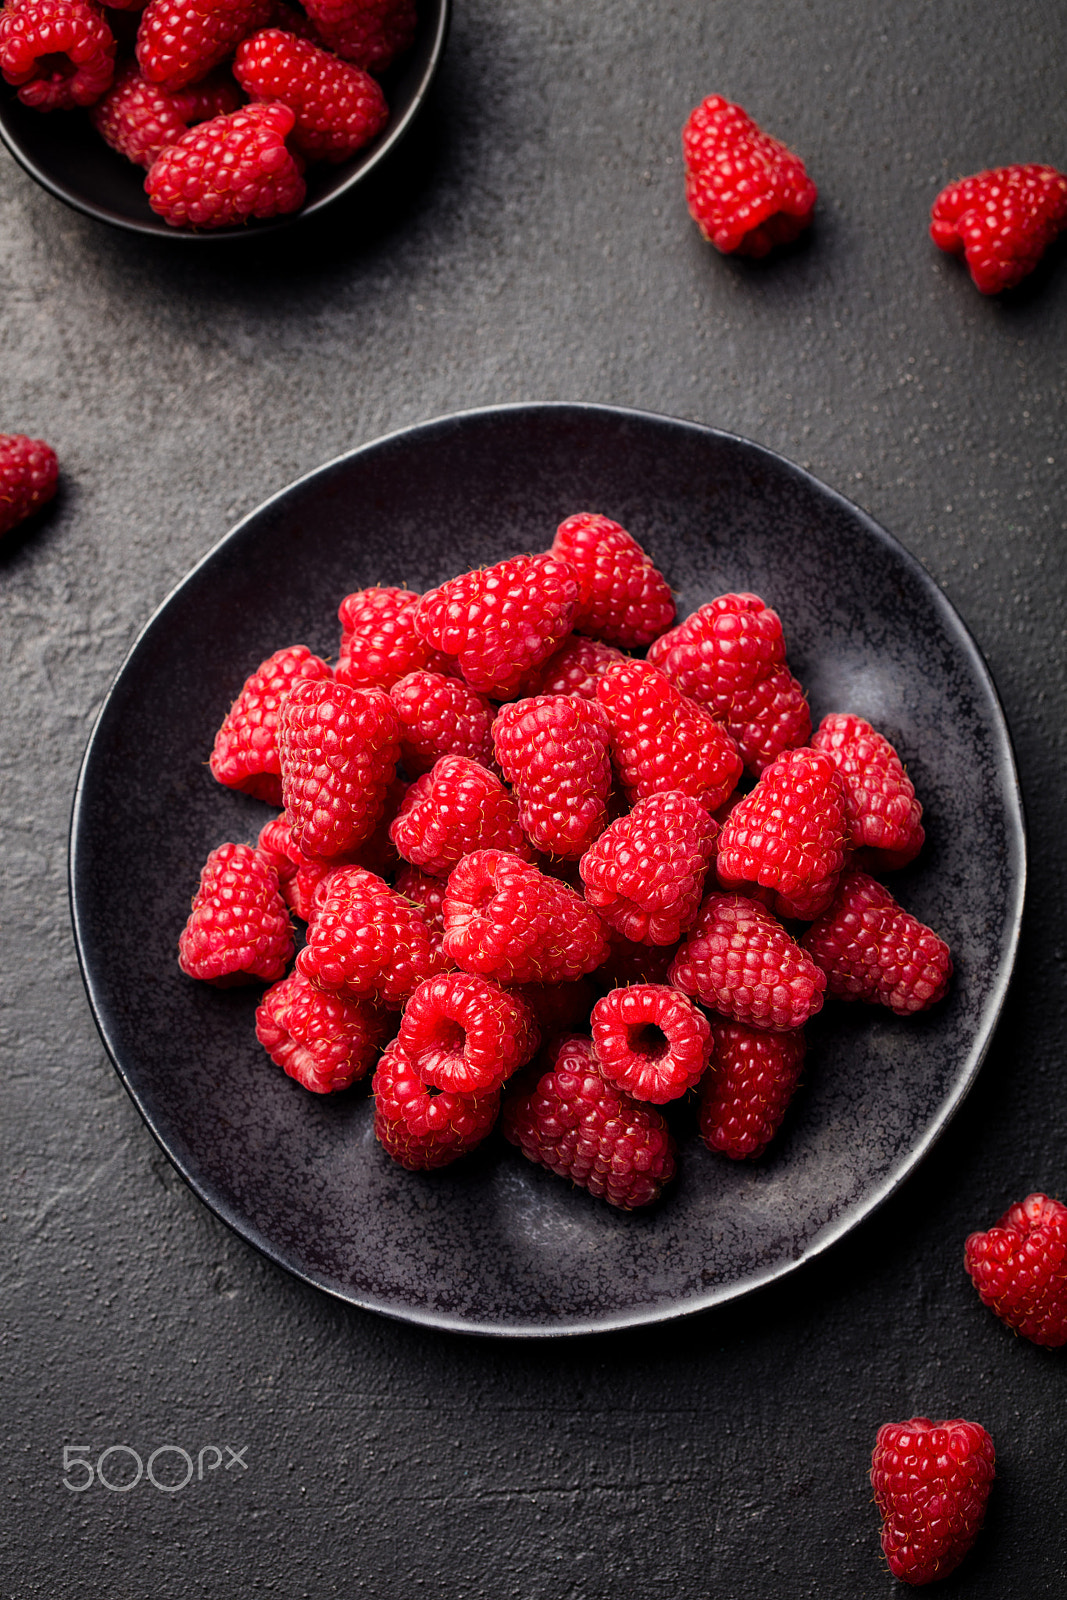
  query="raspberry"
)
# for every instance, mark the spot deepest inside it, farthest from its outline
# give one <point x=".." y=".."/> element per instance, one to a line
<point x="140" y="119"/>
<point x="580" y="1126"/>
<point x="575" y="668"/>
<point x="367" y="942"/>
<point x="1019" y="1268"/>
<point x="422" y="1128"/>
<point x="453" y="809"/>
<point x="338" y="749"/>
<point x="628" y="962"/>
<point x="245" y="755"/>
<point x="739" y="961"/>
<point x="882" y="812"/>
<point x="427" y="892"/>
<point x="745" y="191"/>
<point x="29" y="475"/>
<point x="645" y="874"/>
<point x="371" y="33"/>
<point x="179" y="41"/>
<point x="58" y="54"/>
<point x="931" y="1482"/>
<point x="323" y="1041"/>
<point x="622" y="597"/>
<point x="466" y="1034"/>
<point x="441" y="716"/>
<point x="650" y="1040"/>
<point x="748" y="1088"/>
<point x="501" y="623"/>
<point x="554" y="750"/>
<point x="238" y="929"/>
<point x="228" y="170"/>
<point x="730" y="656"/>
<point x="1002" y="221"/>
<point x="660" y="740"/>
<point x="379" y="645"/>
<point x="788" y="835"/>
<point x="871" y="949"/>
<point x="339" y="108"/>
<point x="507" y="921"/>
<point x="276" y="846"/>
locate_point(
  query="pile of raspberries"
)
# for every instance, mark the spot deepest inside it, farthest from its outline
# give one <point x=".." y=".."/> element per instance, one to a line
<point x="553" y="882"/>
<point x="224" y="101"/>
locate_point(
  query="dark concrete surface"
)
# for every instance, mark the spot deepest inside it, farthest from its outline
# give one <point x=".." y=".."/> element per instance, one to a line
<point x="535" y="247"/>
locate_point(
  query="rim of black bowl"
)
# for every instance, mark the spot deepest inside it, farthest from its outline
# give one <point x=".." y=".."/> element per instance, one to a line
<point x="719" y="1294"/>
<point x="364" y="163"/>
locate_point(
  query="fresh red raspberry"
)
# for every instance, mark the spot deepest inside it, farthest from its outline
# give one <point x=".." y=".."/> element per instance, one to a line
<point x="871" y="949"/>
<point x="466" y="1034"/>
<point x="883" y="815"/>
<point x="29" y="475"/>
<point x="238" y="929"/>
<point x="379" y="645"/>
<point x="507" y="921"/>
<point x="323" y="1041"/>
<point x="1002" y="221"/>
<point x="630" y="962"/>
<point x="622" y="597"/>
<point x="745" y="191"/>
<point x="370" y="33"/>
<point x="788" y="835"/>
<point x="276" y="845"/>
<point x="245" y="755"/>
<point x="645" y="874"/>
<point x="558" y="1007"/>
<point x="58" y="54"/>
<point x="661" y="740"/>
<point x="140" y="119"/>
<point x="338" y="749"/>
<point x="303" y="881"/>
<point x="502" y="622"/>
<point x="931" y="1482"/>
<point x="339" y="108"/>
<point x="453" y="809"/>
<point x="227" y="170"/>
<point x="580" y="1126"/>
<point x="1019" y="1268"/>
<point x="575" y="668"/>
<point x="441" y="716"/>
<point x="554" y="751"/>
<point x="427" y="892"/>
<point x="179" y="41"/>
<point x="748" y="1088"/>
<point x="423" y="1128"/>
<point x="367" y="942"/>
<point x="651" y="1040"/>
<point x="739" y="961"/>
<point x="730" y="656"/>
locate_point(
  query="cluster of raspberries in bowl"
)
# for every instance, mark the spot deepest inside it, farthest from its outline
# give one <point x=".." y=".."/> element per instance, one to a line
<point x="552" y="881"/>
<point x="224" y="101"/>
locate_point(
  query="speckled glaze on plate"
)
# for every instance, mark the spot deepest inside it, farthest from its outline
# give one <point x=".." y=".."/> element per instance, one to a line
<point x="495" y="1245"/>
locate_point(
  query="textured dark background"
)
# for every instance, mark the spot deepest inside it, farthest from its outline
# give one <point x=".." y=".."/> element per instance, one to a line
<point x="536" y="247"/>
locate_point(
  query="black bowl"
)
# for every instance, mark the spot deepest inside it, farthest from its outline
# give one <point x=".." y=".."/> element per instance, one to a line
<point x="63" y="152"/>
<point x="495" y="1244"/>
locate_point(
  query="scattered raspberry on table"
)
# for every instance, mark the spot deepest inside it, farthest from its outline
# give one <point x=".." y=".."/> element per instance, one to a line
<point x="29" y="477"/>
<point x="1019" y="1268"/>
<point x="1001" y="221"/>
<point x="745" y="191"/>
<point x="931" y="1483"/>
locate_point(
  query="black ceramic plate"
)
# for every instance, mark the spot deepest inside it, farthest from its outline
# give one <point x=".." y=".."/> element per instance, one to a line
<point x="67" y="157"/>
<point x="495" y="1244"/>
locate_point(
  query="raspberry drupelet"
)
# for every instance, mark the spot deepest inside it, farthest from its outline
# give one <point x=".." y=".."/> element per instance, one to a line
<point x="456" y="807"/>
<point x="441" y="716"/>
<point x="931" y="1482"/>
<point x="1019" y="1268"/>
<point x="748" y="1087"/>
<point x="871" y="949"/>
<point x="58" y="54"/>
<point x="325" y="1042"/>
<point x="140" y="119"/>
<point x="180" y="41"/>
<point x="245" y="754"/>
<point x="645" y="874"/>
<point x="788" y="836"/>
<point x="466" y="1034"/>
<point x="367" y="942"/>
<point x="1002" y="221"/>
<point x="423" y="1128"/>
<point x="554" y="751"/>
<point x="623" y="598"/>
<point x="507" y="921"/>
<point x="338" y="748"/>
<point x="238" y="929"/>
<point x="338" y="107"/>
<point x="651" y="1040"/>
<point x="29" y="476"/>
<point x="739" y="961"/>
<point x="745" y="191"/>
<point x="661" y="740"/>
<point x="228" y="170"/>
<point x="884" y="817"/>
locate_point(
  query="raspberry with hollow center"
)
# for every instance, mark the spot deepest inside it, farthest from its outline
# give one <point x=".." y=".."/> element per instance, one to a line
<point x="1002" y="221"/>
<point x="931" y="1482"/>
<point x="466" y="1034"/>
<point x="29" y="476"/>
<point x="238" y="929"/>
<point x="338" y="107"/>
<point x="424" y="1128"/>
<point x="180" y="41"/>
<point x="140" y="119"/>
<point x="884" y="817"/>
<point x="739" y="961"/>
<point x="577" y="1124"/>
<point x="1019" y="1268"/>
<point x="554" y="751"/>
<point x="662" y="740"/>
<point x="871" y="949"/>
<point x="788" y="835"/>
<point x="651" y="1040"/>
<point x="456" y="807"/>
<point x="367" y="942"/>
<point x="745" y="191"/>
<point x="58" y="54"/>
<point x="748" y="1088"/>
<point x="645" y="874"/>
<point x="623" y="598"/>
<point x="228" y="170"/>
<point x="245" y="754"/>
<point x="338" y="748"/>
<point x="507" y="921"/>
<point x="325" y="1042"/>
<point x="441" y="716"/>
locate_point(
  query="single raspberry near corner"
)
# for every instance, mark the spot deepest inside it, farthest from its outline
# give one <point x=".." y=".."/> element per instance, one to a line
<point x="325" y="1042"/>
<point x="29" y="477"/>
<point x="931" y="1482"/>
<point x="748" y="1087"/>
<point x="238" y="930"/>
<point x="338" y="748"/>
<point x="884" y="817"/>
<point x="338" y="107"/>
<point x="577" y="1124"/>
<point x="745" y="191"/>
<point x="623" y="598"/>
<point x="662" y="740"/>
<point x="367" y="942"/>
<point x="554" y="751"/>
<point x="788" y="835"/>
<point x="58" y="54"/>
<point x="180" y="41"/>
<point x="245" y="754"/>
<point x="507" y="921"/>
<point x="424" y="1128"/>
<point x="140" y="119"/>
<point x="441" y="716"/>
<point x="651" y="1040"/>
<point x="370" y="33"/>
<point x="645" y="874"/>
<point x="466" y="1034"/>
<point x="871" y="949"/>
<point x="1002" y="221"/>
<point x="456" y="807"/>
<point x="228" y="170"/>
<point x="1019" y="1268"/>
<point x="739" y="961"/>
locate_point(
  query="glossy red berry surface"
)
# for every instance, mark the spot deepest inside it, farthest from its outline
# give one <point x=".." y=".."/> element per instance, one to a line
<point x="455" y="808"/>
<point x="931" y="1482"/>
<point x="424" y="1128"/>
<point x="645" y="874"/>
<point x="140" y="119"/>
<point x="661" y="740"/>
<point x="651" y="1040"/>
<point x="1019" y="1268"/>
<point x="745" y="191"/>
<point x="245" y="754"/>
<point x="29" y="476"/>
<point x="466" y="1034"/>
<point x="325" y="1042"/>
<point x="739" y="961"/>
<point x="338" y="107"/>
<point x="623" y="598"/>
<point x="508" y="921"/>
<point x="338" y="748"/>
<point x="871" y="949"/>
<point x="1002" y="221"/>
<point x="370" y="33"/>
<point x="554" y="751"/>
<point x="58" y="54"/>
<point x="238" y="929"/>
<point x="788" y="835"/>
<point x="367" y="942"/>
<point x="575" y="668"/>
<point x="379" y="645"/>
<point x="227" y="170"/>
<point x="179" y="41"/>
<point x="884" y="817"/>
<point x="748" y="1087"/>
<point x="441" y="716"/>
